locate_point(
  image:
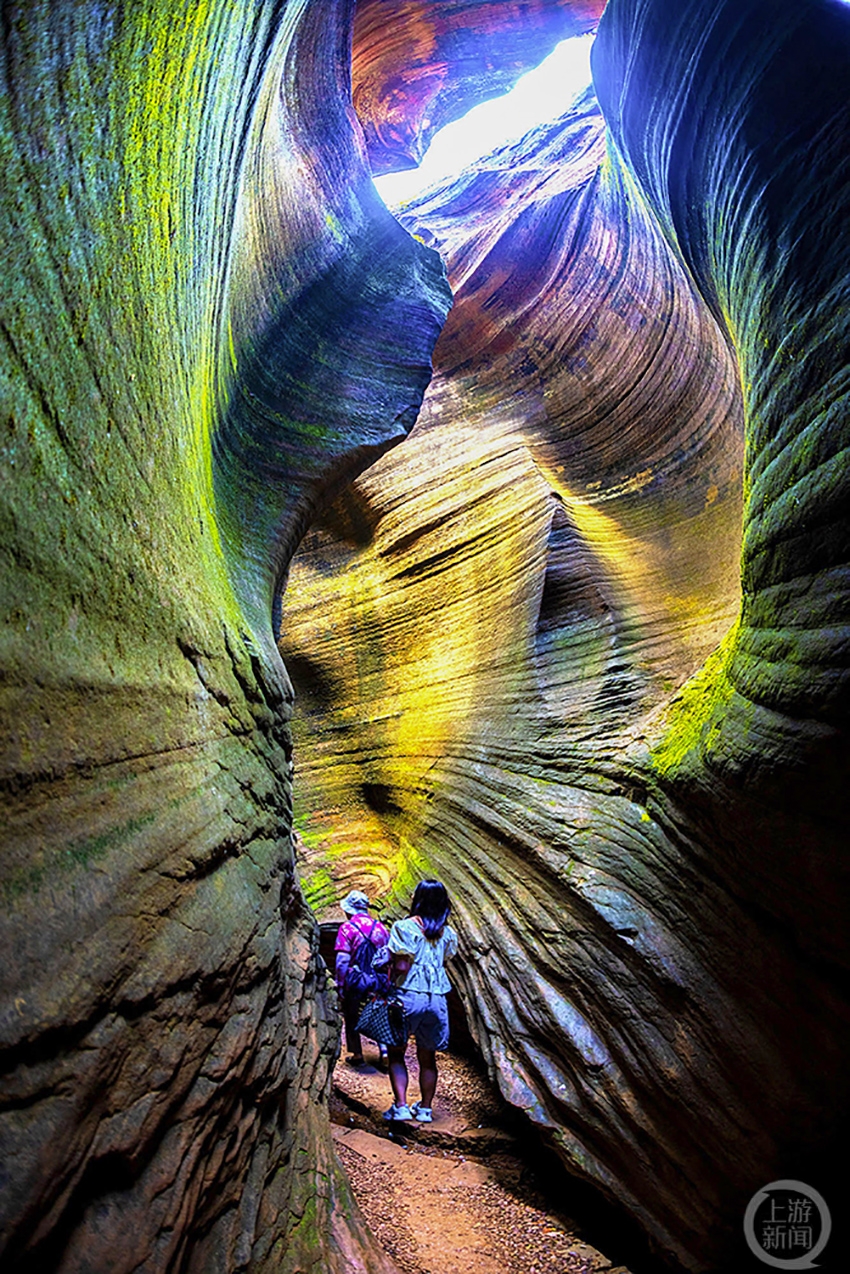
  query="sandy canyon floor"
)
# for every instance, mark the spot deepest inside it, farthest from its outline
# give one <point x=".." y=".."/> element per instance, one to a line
<point x="458" y="1196"/>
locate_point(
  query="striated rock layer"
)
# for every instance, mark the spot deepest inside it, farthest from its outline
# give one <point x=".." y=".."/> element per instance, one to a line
<point x="209" y="321"/>
<point x="580" y="646"/>
<point x="419" y="64"/>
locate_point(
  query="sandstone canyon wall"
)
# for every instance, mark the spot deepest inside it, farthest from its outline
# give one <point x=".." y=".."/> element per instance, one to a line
<point x="190" y="324"/>
<point x="579" y="645"/>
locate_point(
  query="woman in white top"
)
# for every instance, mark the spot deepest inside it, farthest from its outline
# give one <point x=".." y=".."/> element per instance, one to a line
<point x="419" y="946"/>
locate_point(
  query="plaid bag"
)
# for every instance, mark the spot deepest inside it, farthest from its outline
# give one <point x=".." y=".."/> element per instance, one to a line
<point x="382" y="1020"/>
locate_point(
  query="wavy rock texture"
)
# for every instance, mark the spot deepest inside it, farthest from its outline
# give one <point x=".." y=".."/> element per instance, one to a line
<point x="418" y="64"/>
<point x="534" y="655"/>
<point x="209" y="321"/>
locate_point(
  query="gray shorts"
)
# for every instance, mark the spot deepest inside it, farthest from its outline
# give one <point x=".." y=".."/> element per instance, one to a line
<point x="427" y="1017"/>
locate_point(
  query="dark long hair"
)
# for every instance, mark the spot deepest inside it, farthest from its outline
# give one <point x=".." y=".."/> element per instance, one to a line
<point x="431" y="903"/>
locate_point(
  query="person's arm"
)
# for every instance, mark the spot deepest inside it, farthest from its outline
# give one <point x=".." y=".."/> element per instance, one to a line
<point x="343" y="952"/>
<point x="343" y="960"/>
<point x="401" y="960"/>
<point x="401" y="963"/>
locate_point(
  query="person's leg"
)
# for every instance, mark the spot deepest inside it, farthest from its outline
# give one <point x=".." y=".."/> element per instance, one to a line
<point x="398" y="1075"/>
<point x="350" y="1014"/>
<point x="427" y="1074"/>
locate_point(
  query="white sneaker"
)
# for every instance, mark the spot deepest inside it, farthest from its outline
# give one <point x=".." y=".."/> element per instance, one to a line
<point x="396" y="1113"/>
<point x="422" y="1114"/>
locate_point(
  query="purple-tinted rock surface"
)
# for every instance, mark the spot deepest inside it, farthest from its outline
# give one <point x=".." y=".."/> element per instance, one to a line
<point x="580" y="646"/>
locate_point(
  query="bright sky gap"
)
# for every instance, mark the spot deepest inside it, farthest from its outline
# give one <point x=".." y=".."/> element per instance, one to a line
<point x="540" y="95"/>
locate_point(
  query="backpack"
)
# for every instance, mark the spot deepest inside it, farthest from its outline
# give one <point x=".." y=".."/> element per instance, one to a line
<point x="360" y="978"/>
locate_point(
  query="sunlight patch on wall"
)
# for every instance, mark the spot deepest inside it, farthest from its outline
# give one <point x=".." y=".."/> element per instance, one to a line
<point x="543" y="94"/>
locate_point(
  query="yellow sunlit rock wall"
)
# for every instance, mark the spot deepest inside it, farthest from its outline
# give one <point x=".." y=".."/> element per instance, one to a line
<point x="559" y="650"/>
<point x="186" y="206"/>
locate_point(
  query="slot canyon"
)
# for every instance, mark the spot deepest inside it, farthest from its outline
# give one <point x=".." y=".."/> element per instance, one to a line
<point x="504" y="539"/>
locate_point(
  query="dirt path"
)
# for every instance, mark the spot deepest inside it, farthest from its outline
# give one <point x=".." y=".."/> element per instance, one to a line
<point x="452" y="1197"/>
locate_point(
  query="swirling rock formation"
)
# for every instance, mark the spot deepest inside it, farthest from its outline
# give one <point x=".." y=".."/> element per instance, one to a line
<point x="209" y="321"/>
<point x="418" y="64"/>
<point x="580" y="645"/>
<point x="535" y="652"/>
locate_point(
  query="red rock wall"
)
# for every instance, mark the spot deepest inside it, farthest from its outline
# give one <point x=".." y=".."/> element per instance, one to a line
<point x="579" y="646"/>
<point x="419" y="64"/>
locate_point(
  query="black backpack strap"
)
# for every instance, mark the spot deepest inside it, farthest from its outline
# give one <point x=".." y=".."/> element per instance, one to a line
<point x="364" y="937"/>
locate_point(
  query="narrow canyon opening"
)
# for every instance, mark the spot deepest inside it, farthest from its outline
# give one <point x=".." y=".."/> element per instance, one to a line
<point x="478" y="1189"/>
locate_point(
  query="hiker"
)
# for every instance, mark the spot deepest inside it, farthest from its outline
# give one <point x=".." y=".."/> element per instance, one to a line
<point x="419" y="946"/>
<point x="357" y="926"/>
